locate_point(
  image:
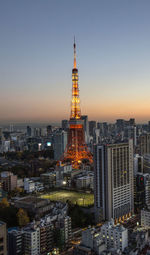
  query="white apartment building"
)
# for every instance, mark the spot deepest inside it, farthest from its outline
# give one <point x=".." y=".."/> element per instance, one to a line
<point x="91" y="238"/>
<point x="115" y="236"/>
<point x="84" y="182"/>
<point x="31" y="241"/>
<point x="29" y="185"/>
<point x="145" y="218"/>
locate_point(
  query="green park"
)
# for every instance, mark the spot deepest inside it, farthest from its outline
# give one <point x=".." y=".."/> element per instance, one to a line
<point x="81" y="199"/>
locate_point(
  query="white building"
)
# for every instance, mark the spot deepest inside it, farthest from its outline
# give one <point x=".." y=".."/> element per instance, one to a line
<point x="115" y="236"/>
<point x="29" y="185"/>
<point x="84" y="182"/>
<point x="31" y="241"/>
<point x="145" y="218"/>
<point x="91" y="238"/>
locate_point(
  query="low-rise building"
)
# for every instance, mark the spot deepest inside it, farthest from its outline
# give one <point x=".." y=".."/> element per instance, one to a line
<point x="85" y="182"/>
<point x="36" y="207"/>
<point x="92" y="238"/>
<point x="29" y="185"/>
<point x="48" y="179"/>
<point x="115" y="236"/>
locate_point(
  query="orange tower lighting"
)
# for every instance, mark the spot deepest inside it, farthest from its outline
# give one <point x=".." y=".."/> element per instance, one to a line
<point x="76" y="149"/>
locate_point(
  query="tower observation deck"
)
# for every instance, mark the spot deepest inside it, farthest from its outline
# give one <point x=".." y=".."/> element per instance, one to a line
<point x="76" y="150"/>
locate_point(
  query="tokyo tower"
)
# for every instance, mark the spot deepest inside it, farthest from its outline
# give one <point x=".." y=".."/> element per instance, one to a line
<point x="76" y="150"/>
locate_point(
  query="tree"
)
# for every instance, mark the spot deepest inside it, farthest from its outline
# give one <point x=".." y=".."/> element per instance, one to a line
<point x="4" y="203"/>
<point x="22" y="217"/>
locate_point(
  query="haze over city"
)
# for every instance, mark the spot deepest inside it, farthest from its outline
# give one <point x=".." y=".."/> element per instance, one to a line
<point x="113" y="59"/>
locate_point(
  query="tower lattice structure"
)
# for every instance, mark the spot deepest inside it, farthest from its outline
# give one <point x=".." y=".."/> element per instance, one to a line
<point x="76" y="149"/>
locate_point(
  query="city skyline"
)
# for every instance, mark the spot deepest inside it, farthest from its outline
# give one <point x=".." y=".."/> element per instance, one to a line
<point x="36" y="59"/>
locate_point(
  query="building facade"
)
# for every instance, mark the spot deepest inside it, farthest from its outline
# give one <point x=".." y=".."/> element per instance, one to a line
<point x="113" y="181"/>
<point x="3" y="239"/>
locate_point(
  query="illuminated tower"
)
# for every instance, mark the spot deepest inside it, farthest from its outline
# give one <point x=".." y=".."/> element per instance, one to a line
<point x="76" y="149"/>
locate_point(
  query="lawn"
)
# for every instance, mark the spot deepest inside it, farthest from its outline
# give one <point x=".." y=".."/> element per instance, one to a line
<point x="82" y="199"/>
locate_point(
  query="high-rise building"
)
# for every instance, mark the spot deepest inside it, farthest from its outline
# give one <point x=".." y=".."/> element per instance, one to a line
<point x="76" y="149"/>
<point x="132" y="122"/>
<point x="31" y="240"/>
<point x="120" y="124"/>
<point x="49" y="130"/>
<point x="138" y="164"/>
<point x="92" y="126"/>
<point x="86" y="127"/>
<point x="148" y="126"/>
<point x="113" y="184"/>
<point x="60" y="143"/>
<point x="29" y="131"/>
<point x="63" y="232"/>
<point x="146" y="163"/>
<point x="15" y="242"/>
<point x="3" y="238"/>
<point x="145" y="144"/>
<point x="141" y="191"/>
<point x="46" y="238"/>
<point x="64" y="125"/>
<point x="1" y="132"/>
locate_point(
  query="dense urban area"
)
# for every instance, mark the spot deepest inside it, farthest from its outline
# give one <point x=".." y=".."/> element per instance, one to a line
<point x="49" y="207"/>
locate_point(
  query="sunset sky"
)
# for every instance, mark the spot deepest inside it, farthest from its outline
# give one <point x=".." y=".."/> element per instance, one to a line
<point x="36" y="59"/>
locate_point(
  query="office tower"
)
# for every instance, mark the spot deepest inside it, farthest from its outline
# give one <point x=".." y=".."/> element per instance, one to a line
<point x="148" y="126"/>
<point x="141" y="191"/>
<point x="146" y="163"/>
<point x="1" y="132"/>
<point x="113" y="181"/>
<point x="37" y="132"/>
<point x="138" y="164"/>
<point x="15" y="242"/>
<point x="11" y="128"/>
<point x="134" y="136"/>
<point x="64" y="125"/>
<point x="131" y="122"/>
<point x="76" y="149"/>
<point x="105" y="128"/>
<point x="60" y="143"/>
<point x="29" y="131"/>
<point x="49" y="130"/>
<point x="3" y="238"/>
<point x="86" y="127"/>
<point x="92" y="126"/>
<point x="120" y="124"/>
<point x="145" y="144"/>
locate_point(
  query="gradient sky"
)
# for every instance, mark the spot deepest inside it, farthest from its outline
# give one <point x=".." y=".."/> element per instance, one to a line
<point x="36" y="59"/>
